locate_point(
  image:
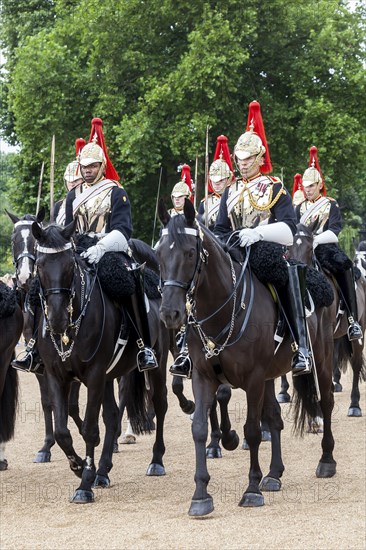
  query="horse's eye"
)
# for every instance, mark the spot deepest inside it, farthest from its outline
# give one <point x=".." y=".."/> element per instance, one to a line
<point x="191" y="253"/>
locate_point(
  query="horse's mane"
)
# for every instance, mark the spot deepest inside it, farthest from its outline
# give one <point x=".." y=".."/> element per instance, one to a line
<point x="142" y="252"/>
<point x="52" y="237"/>
<point x="177" y="224"/>
<point x="304" y="229"/>
<point x="29" y="217"/>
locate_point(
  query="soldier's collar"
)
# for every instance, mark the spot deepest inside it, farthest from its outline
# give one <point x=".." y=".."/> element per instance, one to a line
<point x="252" y="178"/>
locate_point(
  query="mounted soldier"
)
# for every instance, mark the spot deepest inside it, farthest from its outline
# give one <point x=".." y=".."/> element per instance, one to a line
<point x="220" y="176"/>
<point x="182" y="190"/>
<point x="323" y="215"/>
<point x="72" y="178"/>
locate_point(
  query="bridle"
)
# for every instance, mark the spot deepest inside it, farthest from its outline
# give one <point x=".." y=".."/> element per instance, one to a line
<point x="86" y="288"/>
<point x="210" y="346"/>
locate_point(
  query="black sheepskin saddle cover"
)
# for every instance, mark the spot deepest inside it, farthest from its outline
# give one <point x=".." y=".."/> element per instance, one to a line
<point x="8" y="301"/>
<point x="269" y="265"/>
<point x="332" y="258"/>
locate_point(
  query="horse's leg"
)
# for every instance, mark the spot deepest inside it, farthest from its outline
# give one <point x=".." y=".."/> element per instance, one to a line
<point x="272" y="415"/>
<point x="160" y="403"/>
<point x="44" y="454"/>
<point x="336" y="369"/>
<point x="74" y="404"/>
<point x="59" y="394"/>
<point x="265" y="431"/>
<point x="230" y="439"/>
<point x="110" y="419"/>
<point x="327" y="464"/>
<point x="213" y="449"/>
<point x="284" y="396"/>
<point x="252" y="432"/>
<point x="185" y="404"/>
<point x="358" y="370"/>
<point x="3" y="461"/>
<point x="90" y="433"/>
<point x="204" y="393"/>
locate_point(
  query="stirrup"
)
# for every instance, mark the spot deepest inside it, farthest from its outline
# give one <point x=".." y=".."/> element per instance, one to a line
<point x="354" y="331"/>
<point x="28" y="364"/>
<point x="146" y="359"/>
<point x="306" y="360"/>
<point x="182" y="366"/>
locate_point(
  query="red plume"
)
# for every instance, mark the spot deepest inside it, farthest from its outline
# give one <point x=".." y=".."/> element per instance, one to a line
<point x="314" y="162"/>
<point x="297" y="184"/>
<point x="255" y="123"/>
<point x="186" y="177"/>
<point x="79" y="144"/>
<point x="96" y="135"/>
<point x="221" y="151"/>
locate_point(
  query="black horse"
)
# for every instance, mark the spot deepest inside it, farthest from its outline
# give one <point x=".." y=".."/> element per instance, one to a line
<point x="344" y="351"/>
<point x="24" y="256"/>
<point x="233" y="318"/>
<point x="11" y="324"/>
<point x="81" y="331"/>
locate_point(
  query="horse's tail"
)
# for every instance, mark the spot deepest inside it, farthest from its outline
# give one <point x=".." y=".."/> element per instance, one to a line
<point x="305" y="403"/>
<point x="137" y="402"/>
<point x="347" y="352"/>
<point x="9" y="405"/>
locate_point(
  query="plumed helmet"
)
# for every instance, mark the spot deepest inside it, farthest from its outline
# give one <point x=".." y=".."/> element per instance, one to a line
<point x="72" y="172"/>
<point x="297" y="190"/>
<point x="79" y="144"/>
<point x="311" y="175"/>
<point x="92" y="152"/>
<point x="181" y="189"/>
<point x="254" y="141"/>
<point x="97" y="136"/>
<point x="219" y="170"/>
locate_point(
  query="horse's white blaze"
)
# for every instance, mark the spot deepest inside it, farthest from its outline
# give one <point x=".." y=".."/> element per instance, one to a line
<point x="298" y="242"/>
<point x="24" y="269"/>
<point x="172" y="246"/>
<point x="2" y="452"/>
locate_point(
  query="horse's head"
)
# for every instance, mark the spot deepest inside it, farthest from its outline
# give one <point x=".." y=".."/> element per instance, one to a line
<point x="302" y="248"/>
<point x="179" y="258"/>
<point x="23" y="246"/>
<point x="55" y="269"/>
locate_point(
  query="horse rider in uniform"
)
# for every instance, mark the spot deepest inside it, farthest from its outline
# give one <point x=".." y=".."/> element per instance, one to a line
<point x="323" y="214"/>
<point x="260" y="207"/>
<point x="220" y="176"/>
<point x="181" y="190"/>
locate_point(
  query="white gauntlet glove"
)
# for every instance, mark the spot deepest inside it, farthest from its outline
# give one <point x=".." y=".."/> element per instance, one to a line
<point x="114" y="241"/>
<point x="278" y="232"/>
<point x="249" y="236"/>
<point x="325" y="238"/>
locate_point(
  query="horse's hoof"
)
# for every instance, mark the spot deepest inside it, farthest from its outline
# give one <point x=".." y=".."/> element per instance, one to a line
<point x="252" y="500"/>
<point x="213" y="452"/>
<point x="337" y="388"/>
<point x="188" y="408"/>
<point x="128" y="439"/>
<point x="266" y="435"/>
<point x="199" y="508"/>
<point x="316" y="425"/>
<point x="354" y="411"/>
<point x="245" y="445"/>
<point x="326" y="469"/>
<point x="283" y="398"/>
<point x="82" y="497"/>
<point x="155" y="470"/>
<point x="115" y="448"/>
<point x="101" y="481"/>
<point x="230" y="441"/>
<point x="3" y="465"/>
<point x="270" y="484"/>
<point x="42" y="456"/>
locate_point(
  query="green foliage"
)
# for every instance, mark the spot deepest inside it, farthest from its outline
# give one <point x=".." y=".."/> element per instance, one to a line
<point x="158" y="74"/>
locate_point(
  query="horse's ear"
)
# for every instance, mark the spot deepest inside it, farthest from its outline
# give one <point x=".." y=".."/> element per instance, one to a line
<point x="13" y="217"/>
<point x="41" y="214"/>
<point x="164" y="215"/>
<point x="69" y="230"/>
<point x="189" y="212"/>
<point x="37" y="231"/>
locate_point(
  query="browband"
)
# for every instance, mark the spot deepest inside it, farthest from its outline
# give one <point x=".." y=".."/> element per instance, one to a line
<point x="47" y="250"/>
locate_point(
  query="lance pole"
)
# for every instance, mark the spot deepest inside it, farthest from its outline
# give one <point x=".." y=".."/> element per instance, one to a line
<point x="156" y="207"/>
<point x="40" y="188"/>
<point x="206" y="177"/>
<point x="52" y="177"/>
<point x="195" y="182"/>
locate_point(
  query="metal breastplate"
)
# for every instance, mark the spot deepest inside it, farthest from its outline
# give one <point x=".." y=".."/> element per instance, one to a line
<point x="248" y="203"/>
<point x="315" y="211"/>
<point x="212" y="205"/>
<point x="93" y="214"/>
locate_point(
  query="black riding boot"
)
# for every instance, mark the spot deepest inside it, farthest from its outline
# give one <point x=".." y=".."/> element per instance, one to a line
<point x="293" y="305"/>
<point x="31" y="362"/>
<point x="346" y="282"/>
<point x="146" y="359"/>
<point x="182" y="365"/>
